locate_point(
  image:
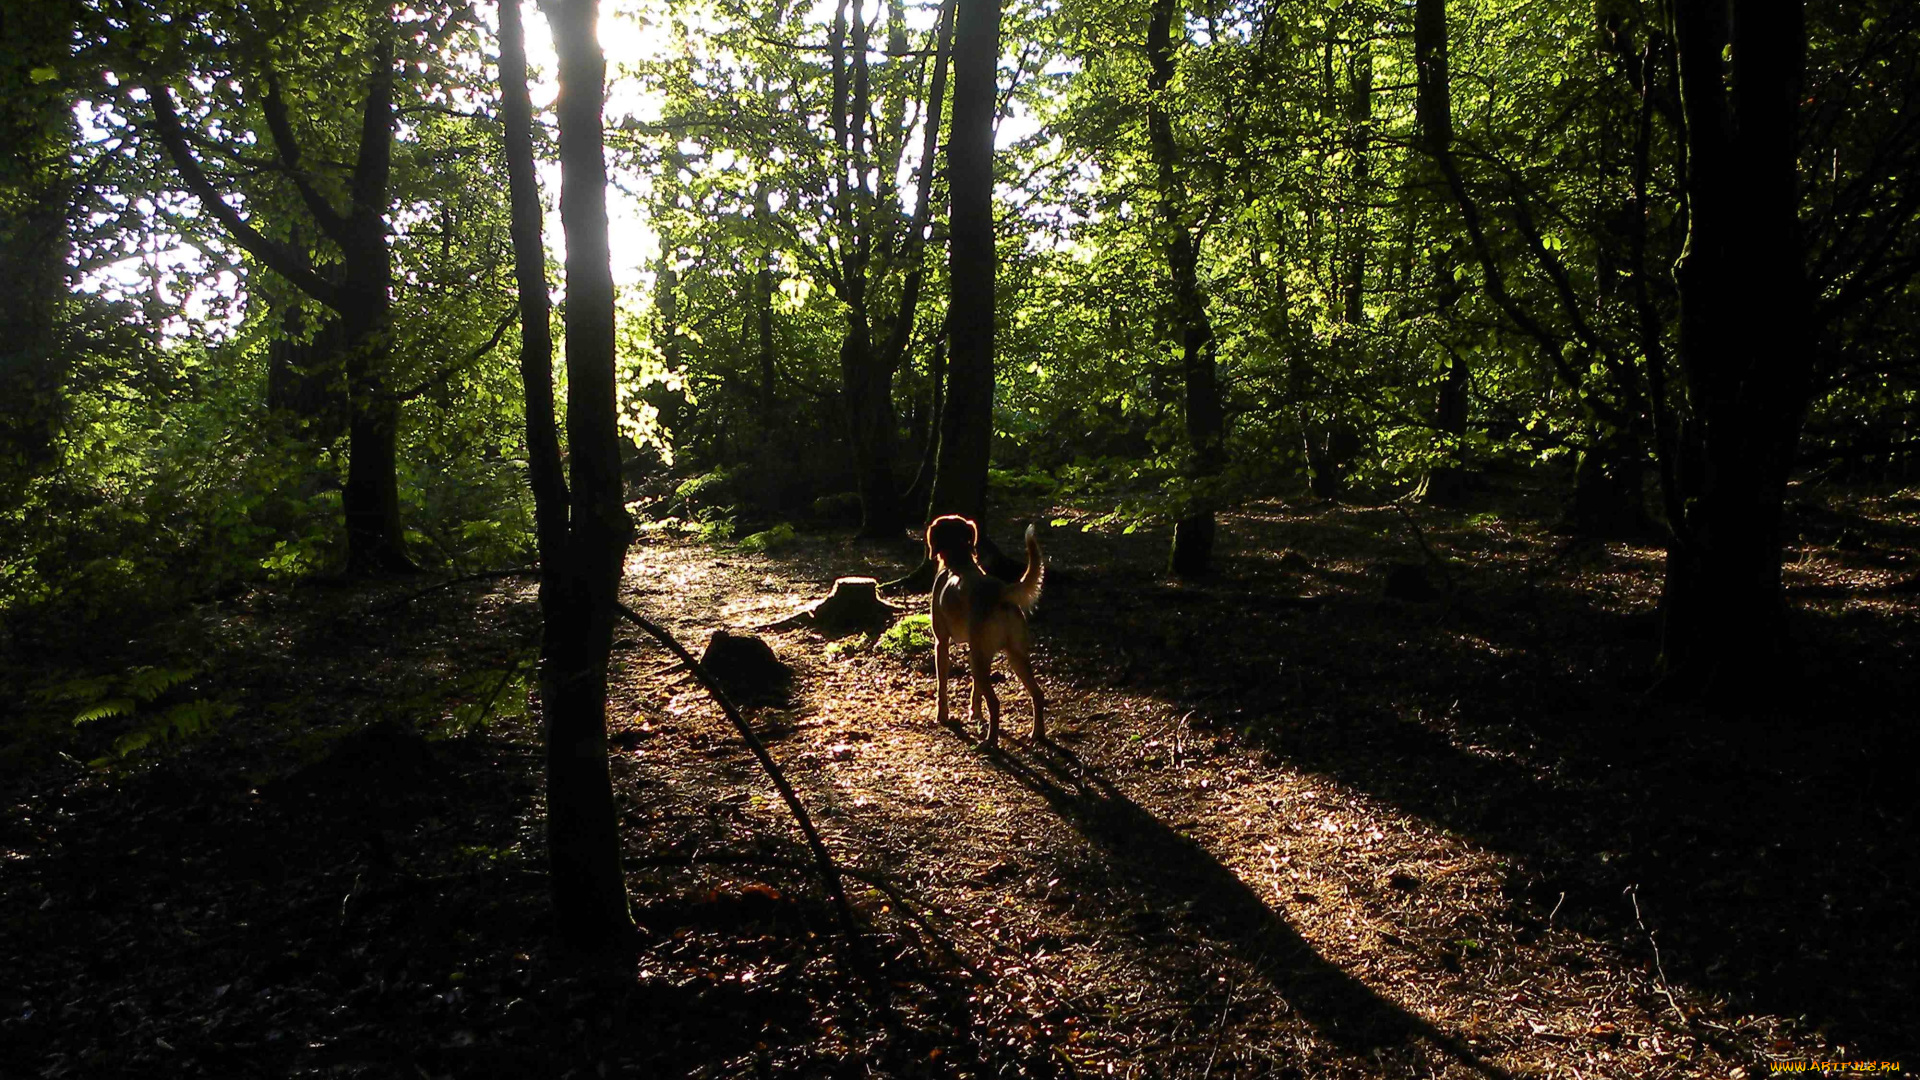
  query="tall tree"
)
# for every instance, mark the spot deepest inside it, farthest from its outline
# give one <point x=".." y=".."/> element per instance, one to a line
<point x="966" y="421"/>
<point x="36" y="187"/>
<point x="1193" y="533"/>
<point x="358" y="285"/>
<point x="583" y="526"/>
<point x="1433" y="117"/>
<point x="1746" y="346"/>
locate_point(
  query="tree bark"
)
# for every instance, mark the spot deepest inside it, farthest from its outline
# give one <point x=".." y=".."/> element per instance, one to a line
<point x="1433" y="109"/>
<point x="1745" y="342"/>
<point x="546" y="475"/>
<point x="866" y="378"/>
<point x="966" y="421"/>
<point x="1193" y="533"/>
<point x="580" y="589"/>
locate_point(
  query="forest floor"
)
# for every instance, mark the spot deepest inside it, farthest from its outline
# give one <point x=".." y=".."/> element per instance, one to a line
<point x="1285" y="827"/>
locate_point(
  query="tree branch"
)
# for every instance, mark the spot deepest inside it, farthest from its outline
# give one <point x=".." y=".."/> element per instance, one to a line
<point x="279" y="257"/>
<point x="330" y="220"/>
<point x="823" y="859"/>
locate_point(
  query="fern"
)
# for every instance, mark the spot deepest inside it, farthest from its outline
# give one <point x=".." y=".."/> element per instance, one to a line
<point x="181" y="721"/>
<point x="100" y="710"/>
<point x="148" y="682"/>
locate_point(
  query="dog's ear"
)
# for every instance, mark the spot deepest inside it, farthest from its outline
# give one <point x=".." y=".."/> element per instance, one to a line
<point x="930" y="551"/>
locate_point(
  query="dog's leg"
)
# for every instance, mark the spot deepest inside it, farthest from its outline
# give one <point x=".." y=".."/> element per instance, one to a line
<point x="1017" y="660"/>
<point x="981" y="661"/>
<point x="942" y="664"/>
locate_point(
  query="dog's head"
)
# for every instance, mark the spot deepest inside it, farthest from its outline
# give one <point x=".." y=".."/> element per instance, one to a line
<point x="951" y="539"/>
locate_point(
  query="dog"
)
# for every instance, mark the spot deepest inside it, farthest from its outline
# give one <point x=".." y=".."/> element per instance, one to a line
<point x="987" y="614"/>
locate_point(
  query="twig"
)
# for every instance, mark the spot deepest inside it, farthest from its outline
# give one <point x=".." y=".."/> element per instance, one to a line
<point x="823" y="860"/>
<point x="1219" y="1029"/>
<point x="1633" y="894"/>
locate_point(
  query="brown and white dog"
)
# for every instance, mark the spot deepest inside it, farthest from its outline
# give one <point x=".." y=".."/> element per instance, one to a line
<point x="987" y="614"/>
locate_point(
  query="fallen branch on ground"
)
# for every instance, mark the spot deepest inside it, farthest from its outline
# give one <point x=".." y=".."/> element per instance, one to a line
<point x="823" y="860"/>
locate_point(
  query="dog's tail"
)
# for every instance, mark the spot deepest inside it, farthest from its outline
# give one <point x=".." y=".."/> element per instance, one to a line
<point x="1024" y="593"/>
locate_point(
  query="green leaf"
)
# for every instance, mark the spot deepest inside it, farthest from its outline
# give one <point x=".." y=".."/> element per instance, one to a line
<point x="110" y="707"/>
<point x="43" y="74"/>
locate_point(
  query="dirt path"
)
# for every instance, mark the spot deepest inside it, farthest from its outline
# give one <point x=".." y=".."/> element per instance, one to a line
<point x="1152" y="893"/>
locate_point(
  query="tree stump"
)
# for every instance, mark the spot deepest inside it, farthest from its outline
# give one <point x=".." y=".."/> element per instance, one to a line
<point x="853" y="605"/>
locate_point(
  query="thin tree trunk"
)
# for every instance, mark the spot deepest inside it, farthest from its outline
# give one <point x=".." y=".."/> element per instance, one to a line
<point x="546" y="474"/>
<point x="1193" y="533"/>
<point x="1433" y="109"/>
<point x="583" y="847"/>
<point x="763" y="304"/>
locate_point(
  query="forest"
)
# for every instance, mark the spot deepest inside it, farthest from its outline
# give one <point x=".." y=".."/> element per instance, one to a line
<point x="1442" y="557"/>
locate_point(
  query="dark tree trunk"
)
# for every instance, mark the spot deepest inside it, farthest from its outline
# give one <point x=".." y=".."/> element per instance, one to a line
<point x="1745" y="342"/>
<point x="306" y="380"/>
<point x="1193" y="533"/>
<point x="1433" y="108"/>
<point x="1359" y="231"/>
<point x="546" y="475"/>
<point x="927" y="419"/>
<point x="580" y="586"/>
<point x="966" y="421"/>
<point x="372" y="496"/>
<point x="928" y="435"/>
<point x="870" y="420"/>
<point x="38" y="177"/>
<point x="866" y="374"/>
<point x="371" y="499"/>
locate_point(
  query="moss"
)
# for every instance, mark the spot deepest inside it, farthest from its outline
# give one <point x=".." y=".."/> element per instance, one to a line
<point x="769" y="539"/>
<point x="908" y="637"/>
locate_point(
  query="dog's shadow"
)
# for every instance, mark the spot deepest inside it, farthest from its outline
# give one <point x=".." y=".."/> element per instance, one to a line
<point x="1173" y="871"/>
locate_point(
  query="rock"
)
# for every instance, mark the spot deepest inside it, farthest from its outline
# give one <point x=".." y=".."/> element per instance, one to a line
<point x="1409" y="581"/>
<point x="746" y="668"/>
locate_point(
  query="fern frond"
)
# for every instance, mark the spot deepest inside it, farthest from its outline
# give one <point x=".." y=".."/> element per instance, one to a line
<point x="103" y="709"/>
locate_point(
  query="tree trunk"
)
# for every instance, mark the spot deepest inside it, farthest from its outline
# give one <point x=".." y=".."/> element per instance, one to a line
<point x="371" y="500"/>
<point x="1193" y="533"/>
<point x="305" y="379"/>
<point x="1745" y="342"/>
<point x="546" y="475"/>
<point x="763" y="305"/>
<point x="1433" y="108"/>
<point x="868" y="386"/>
<point x="966" y="421"/>
<point x="579" y="589"/>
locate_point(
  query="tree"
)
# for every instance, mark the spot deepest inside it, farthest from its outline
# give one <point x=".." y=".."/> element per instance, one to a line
<point x="1205" y="419"/>
<point x="966" y="421"/>
<point x="1746" y="343"/>
<point x="583" y="528"/>
<point x="36" y="188"/>
<point x="357" y="284"/>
